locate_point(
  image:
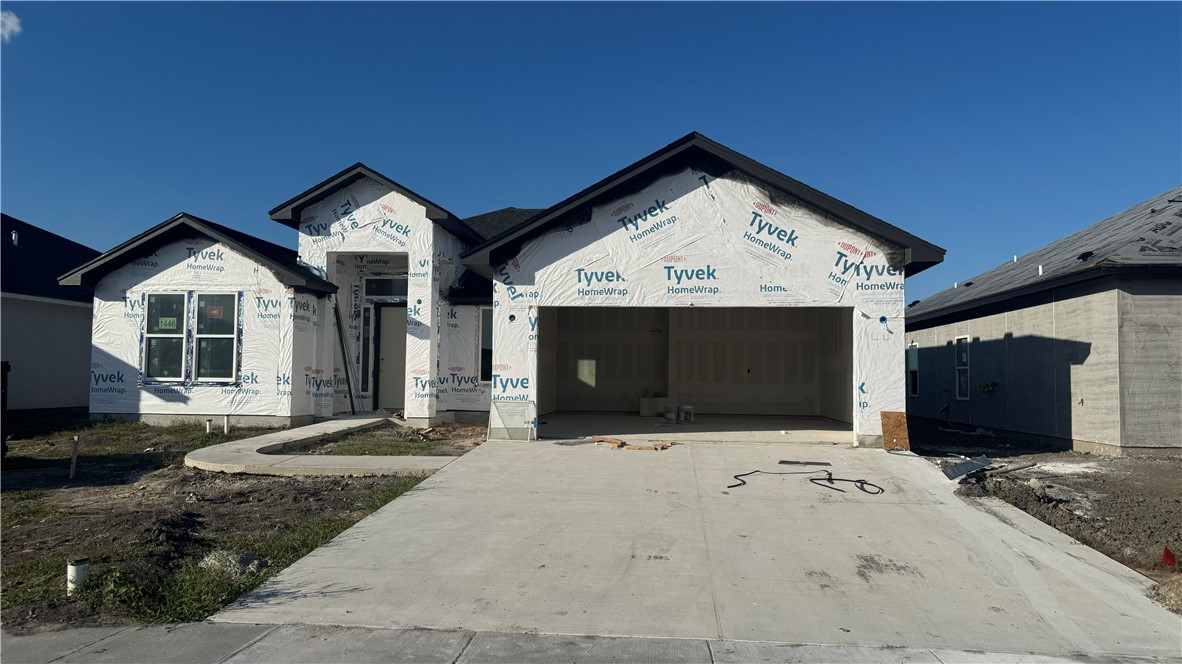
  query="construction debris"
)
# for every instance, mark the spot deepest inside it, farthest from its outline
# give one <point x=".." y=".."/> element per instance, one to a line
<point x="622" y="445"/>
<point x="786" y="462"/>
<point x="965" y="467"/>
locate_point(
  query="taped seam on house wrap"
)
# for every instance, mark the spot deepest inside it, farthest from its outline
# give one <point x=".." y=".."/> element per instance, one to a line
<point x="272" y="319"/>
<point x="691" y="240"/>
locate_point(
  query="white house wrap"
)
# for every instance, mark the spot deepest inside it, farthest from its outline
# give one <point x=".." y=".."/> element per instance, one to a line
<point x="690" y="240"/>
<point x="695" y="275"/>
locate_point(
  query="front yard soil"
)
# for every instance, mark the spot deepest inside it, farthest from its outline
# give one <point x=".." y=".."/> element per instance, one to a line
<point x="146" y="522"/>
<point x="393" y="440"/>
<point x="1128" y="508"/>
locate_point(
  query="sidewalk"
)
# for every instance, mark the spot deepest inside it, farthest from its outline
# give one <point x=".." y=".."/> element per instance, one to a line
<point x="214" y="643"/>
<point x="277" y="453"/>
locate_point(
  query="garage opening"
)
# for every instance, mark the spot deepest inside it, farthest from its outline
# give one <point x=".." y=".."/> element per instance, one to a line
<point x="741" y="369"/>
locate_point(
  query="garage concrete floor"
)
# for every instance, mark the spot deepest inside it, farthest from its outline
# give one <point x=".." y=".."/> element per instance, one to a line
<point x="705" y="428"/>
<point x="583" y="539"/>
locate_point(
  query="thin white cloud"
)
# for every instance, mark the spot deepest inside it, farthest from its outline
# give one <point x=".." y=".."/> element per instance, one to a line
<point x="10" y="26"/>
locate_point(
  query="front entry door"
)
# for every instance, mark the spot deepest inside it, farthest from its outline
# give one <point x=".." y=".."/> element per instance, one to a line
<point x="392" y="358"/>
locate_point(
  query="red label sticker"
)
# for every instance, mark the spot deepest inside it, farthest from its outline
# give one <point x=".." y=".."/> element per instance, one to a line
<point x="213" y="312"/>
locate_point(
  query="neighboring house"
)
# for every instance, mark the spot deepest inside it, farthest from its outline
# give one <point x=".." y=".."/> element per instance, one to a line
<point x="695" y="273"/>
<point x="1077" y="344"/>
<point x="44" y="327"/>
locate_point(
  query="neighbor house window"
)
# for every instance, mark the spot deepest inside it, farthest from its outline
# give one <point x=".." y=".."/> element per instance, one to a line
<point x="201" y="343"/>
<point x="385" y="286"/>
<point x="164" y="337"/>
<point x="486" y="341"/>
<point x="913" y="369"/>
<point x="962" y="368"/>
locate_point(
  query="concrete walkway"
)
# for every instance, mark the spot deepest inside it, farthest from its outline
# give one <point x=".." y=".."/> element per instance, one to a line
<point x="205" y="643"/>
<point x="569" y="538"/>
<point x="277" y="453"/>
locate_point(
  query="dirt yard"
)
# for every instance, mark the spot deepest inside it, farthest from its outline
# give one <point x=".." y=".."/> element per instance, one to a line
<point x="149" y="526"/>
<point x="1128" y="508"/>
<point x="391" y="440"/>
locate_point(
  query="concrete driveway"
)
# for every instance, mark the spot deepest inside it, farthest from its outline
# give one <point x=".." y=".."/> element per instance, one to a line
<point x="583" y="539"/>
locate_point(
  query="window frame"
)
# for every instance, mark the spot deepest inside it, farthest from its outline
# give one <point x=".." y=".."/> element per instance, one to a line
<point x="913" y="385"/>
<point x="958" y="367"/>
<point x="183" y="336"/>
<point x="189" y="340"/>
<point x="405" y="278"/>
<point x="233" y="377"/>
<point x="480" y="344"/>
<point x="367" y="338"/>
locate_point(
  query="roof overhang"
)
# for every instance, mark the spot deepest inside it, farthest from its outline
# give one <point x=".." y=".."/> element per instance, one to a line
<point x="696" y="149"/>
<point x="963" y="310"/>
<point x="288" y="212"/>
<point x="177" y="228"/>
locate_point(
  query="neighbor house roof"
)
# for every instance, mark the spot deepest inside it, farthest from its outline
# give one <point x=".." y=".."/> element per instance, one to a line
<point x="1145" y="236"/>
<point x="281" y="261"/>
<point x="32" y="259"/>
<point x="288" y="212"/>
<point x="491" y="224"/>
<point x="696" y="149"/>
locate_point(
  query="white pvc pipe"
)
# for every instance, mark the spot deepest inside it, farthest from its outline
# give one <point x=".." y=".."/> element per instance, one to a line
<point x="225" y="424"/>
<point x="208" y="426"/>
<point x="76" y="573"/>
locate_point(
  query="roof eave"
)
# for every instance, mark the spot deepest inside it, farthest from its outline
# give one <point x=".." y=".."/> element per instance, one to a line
<point x="920" y="253"/>
<point x="287" y="213"/>
<point x="1096" y="272"/>
<point x="80" y="276"/>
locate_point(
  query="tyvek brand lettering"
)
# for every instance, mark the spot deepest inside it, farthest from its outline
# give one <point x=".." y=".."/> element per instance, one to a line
<point x="301" y="309"/>
<point x="133" y="308"/>
<point x="593" y="277"/>
<point x="107" y="383"/>
<point x="503" y="273"/>
<point x="422" y="273"/>
<point x="267" y="308"/>
<point x="648" y="216"/>
<point x="206" y="260"/>
<point x="247" y="386"/>
<point x="772" y="288"/>
<point x="318" y="387"/>
<point x="785" y="236"/>
<point x="501" y="385"/>
<point x="678" y="275"/>
<point x="395" y="231"/>
<point x="283" y="385"/>
<point x="851" y="268"/>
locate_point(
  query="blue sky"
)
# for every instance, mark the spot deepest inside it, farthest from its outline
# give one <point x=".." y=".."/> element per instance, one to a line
<point x="989" y="129"/>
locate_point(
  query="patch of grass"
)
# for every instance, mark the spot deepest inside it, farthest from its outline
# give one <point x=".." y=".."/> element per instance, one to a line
<point x="32" y="577"/>
<point x="130" y="444"/>
<point x="189" y="593"/>
<point x="20" y="507"/>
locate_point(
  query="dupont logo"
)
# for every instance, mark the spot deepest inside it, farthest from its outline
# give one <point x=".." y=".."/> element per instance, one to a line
<point x="764" y="208"/>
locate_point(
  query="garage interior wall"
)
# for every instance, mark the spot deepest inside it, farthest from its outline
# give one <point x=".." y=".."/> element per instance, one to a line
<point x="735" y="361"/>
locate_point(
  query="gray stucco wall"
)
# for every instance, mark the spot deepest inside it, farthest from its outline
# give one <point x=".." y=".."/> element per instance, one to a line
<point x="1151" y="362"/>
<point x="48" y="345"/>
<point x="1047" y="365"/>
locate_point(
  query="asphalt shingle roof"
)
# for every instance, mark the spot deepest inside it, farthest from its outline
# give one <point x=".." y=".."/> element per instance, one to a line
<point x="491" y="224"/>
<point x="32" y="266"/>
<point x="1146" y="235"/>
